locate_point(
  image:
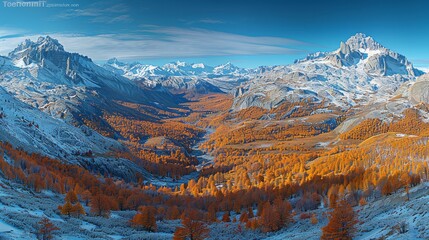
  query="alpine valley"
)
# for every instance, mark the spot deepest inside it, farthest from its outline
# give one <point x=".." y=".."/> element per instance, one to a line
<point x="124" y="150"/>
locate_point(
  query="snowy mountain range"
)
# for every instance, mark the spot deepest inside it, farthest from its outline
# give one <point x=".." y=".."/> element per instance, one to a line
<point x="358" y="72"/>
<point x="138" y="70"/>
<point x="183" y="76"/>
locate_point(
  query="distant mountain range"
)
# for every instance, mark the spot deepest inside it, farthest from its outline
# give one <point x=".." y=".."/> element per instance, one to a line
<point x="185" y="76"/>
<point x="138" y="70"/>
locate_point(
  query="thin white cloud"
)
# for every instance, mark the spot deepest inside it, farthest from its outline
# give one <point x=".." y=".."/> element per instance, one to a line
<point x="118" y="19"/>
<point x="7" y="32"/>
<point x="203" y="20"/>
<point x="162" y="42"/>
<point x="211" y="21"/>
<point x="98" y="12"/>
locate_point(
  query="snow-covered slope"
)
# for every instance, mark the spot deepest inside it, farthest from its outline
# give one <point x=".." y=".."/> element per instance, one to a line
<point x="378" y="219"/>
<point x="359" y="72"/>
<point x="34" y="131"/>
<point x="419" y="91"/>
<point x="47" y="94"/>
<point x="21" y="209"/>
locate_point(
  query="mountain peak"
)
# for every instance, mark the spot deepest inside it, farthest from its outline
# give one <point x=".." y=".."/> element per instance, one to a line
<point x="227" y="65"/>
<point x="113" y="61"/>
<point x="49" y="44"/>
<point x="181" y="63"/>
<point x="30" y="49"/>
<point x="362" y="41"/>
<point x="198" y="65"/>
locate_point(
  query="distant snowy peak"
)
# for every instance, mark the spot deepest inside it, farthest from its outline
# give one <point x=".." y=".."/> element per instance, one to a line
<point x="363" y="51"/>
<point x="199" y="65"/>
<point x="228" y="69"/>
<point x="185" y="69"/>
<point x="114" y="61"/>
<point x="132" y="70"/>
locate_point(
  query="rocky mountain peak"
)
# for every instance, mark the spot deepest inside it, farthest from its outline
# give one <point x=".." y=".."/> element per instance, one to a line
<point x="45" y="48"/>
<point x="362" y="41"/>
<point x="49" y="44"/>
<point x="46" y="56"/>
<point x="43" y="44"/>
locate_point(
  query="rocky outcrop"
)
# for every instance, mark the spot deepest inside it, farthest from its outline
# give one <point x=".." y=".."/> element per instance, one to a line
<point x="419" y="91"/>
<point x="389" y="63"/>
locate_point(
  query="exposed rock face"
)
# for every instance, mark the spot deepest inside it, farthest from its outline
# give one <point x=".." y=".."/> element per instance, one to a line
<point x="419" y="91"/>
<point x="50" y="54"/>
<point x="389" y="63"/>
<point x="346" y="56"/>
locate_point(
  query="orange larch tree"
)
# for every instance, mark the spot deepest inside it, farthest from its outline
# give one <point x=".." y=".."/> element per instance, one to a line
<point x="342" y="222"/>
<point x="191" y="229"/>
<point x="46" y="227"/>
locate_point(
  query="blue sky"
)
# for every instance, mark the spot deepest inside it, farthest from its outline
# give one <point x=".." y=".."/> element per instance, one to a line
<point x="247" y="33"/>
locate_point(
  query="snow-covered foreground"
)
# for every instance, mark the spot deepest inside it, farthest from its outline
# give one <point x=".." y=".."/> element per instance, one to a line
<point x="20" y="210"/>
<point x="378" y="219"/>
